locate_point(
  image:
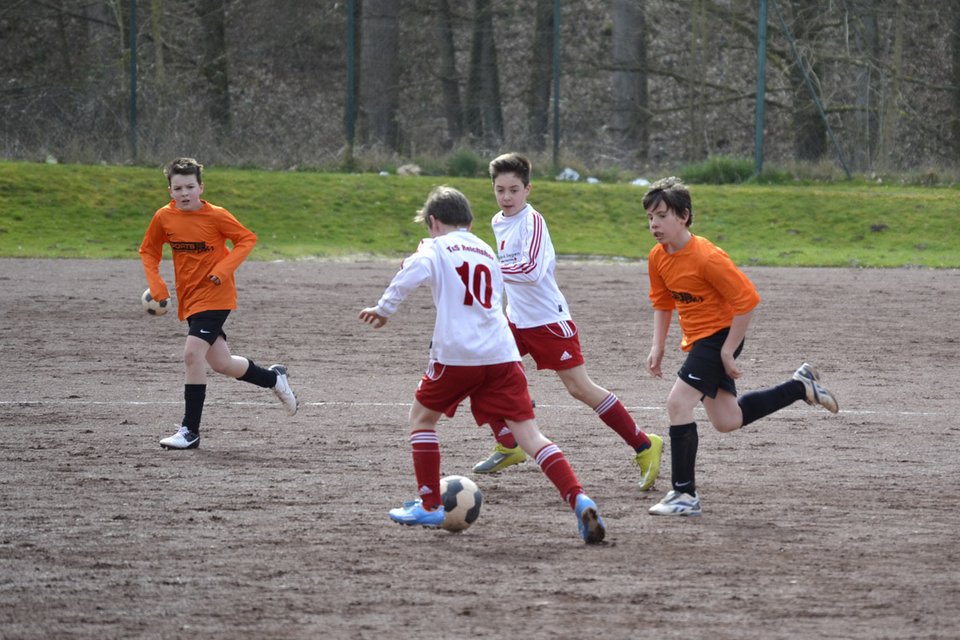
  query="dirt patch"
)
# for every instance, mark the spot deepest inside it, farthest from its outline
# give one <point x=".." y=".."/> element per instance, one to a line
<point x="814" y="525"/>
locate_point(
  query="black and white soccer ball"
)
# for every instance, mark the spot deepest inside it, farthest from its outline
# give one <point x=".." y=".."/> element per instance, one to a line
<point x="154" y="307"/>
<point x="461" y="502"/>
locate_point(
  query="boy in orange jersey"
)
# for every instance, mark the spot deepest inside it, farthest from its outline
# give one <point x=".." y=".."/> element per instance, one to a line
<point x="197" y="232"/>
<point x="714" y="302"/>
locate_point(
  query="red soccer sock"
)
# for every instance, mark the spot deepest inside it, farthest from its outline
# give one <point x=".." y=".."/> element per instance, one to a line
<point x="554" y="464"/>
<point x="616" y="416"/>
<point x="503" y="434"/>
<point x="426" y="466"/>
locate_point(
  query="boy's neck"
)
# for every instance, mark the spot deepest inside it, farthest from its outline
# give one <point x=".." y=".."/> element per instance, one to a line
<point x="680" y="244"/>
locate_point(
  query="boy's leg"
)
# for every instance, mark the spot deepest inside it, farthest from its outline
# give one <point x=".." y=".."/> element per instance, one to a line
<point x="682" y="499"/>
<point x="427" y="509"/>
<point x="246" y="370"/>
<point x="505" y="453"/>
<point x="194" y="396"/>
<point x="558" y="470"/>
<point x="804" y="385"/>
<point x="606" y="405"/>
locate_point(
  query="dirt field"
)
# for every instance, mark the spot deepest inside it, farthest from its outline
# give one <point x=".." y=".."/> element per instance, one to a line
<point x="814" y="525"/>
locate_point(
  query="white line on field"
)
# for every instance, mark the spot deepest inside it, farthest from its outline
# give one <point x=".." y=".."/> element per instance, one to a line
<point x="336" y="403"/>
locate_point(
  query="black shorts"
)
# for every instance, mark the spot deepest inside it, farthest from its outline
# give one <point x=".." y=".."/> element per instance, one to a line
<point x="703" y="369"/>
<point x="208" y="325"/>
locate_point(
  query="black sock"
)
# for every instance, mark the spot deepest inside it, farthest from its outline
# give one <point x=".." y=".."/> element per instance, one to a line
<point x="757" y="404"/>
<point x="193" y="397"/>
<point x="255" y="374"/>
<point x="683" y="456"/>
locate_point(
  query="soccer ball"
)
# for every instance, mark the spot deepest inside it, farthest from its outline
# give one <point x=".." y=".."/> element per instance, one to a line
<point x="461" y="502"/>
<point x="154" y="307"/>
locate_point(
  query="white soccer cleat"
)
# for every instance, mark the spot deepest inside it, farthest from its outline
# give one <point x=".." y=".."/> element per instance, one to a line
<point x="182" y="439"/>
<point x="283" y="391"/>
<point x="816" y="392"/>
<point x="677" y="504"/>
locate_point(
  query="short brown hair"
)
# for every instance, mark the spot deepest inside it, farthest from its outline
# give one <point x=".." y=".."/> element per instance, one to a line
<point x="672" y="191"/>
<point x="511" y="163"/>
<point x="447" y="205"/>
<point x="184" y="167"/>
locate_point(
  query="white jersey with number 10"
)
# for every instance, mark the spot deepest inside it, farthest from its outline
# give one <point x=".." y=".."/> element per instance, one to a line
<point x="464" y="276"/>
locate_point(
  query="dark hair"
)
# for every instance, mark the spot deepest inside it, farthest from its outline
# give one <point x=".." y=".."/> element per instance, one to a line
<point x="184" y="167"/>
<point x="447" y="205"/>
<point x="511" y="163"/>
<point x="673" y="192"/>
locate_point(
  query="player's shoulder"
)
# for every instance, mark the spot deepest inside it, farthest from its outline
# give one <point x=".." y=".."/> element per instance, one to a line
<point x="214" y="208"/>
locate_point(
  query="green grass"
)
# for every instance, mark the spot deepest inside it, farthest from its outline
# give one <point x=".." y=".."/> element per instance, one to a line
<point x="102" y="212"/>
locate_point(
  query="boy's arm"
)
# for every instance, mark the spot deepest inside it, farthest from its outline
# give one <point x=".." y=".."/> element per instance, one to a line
<point x="738" y="331"/>
<point x="413" y="272"/>
<point x="531" y="265"/>
<point x="243" y="242"/>
<point x="151" y="252"/>
<point x="661" y="326"/>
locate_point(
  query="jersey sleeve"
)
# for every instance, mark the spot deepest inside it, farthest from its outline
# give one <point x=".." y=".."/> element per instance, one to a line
<point x="660" y="296"/>
<point x="531" y="265"/>
<point x="151" y="252"/>
<point x="414" y="271"/>
<point x="732" y="284"/>
<point x="243" y="242"/>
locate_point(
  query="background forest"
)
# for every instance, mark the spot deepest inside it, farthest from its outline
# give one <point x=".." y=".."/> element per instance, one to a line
<point x="643" y="85"/>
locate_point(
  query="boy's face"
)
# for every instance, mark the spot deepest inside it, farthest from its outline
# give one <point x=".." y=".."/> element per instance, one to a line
<point x="511" y="193"/>
<point x="185" y="191"/>
<point x="666" y="226"/>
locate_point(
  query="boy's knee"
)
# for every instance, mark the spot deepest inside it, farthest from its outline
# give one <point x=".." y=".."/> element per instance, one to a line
<point x="727" y="426"/>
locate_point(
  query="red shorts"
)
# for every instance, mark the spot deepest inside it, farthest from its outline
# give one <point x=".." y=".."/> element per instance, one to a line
<point x="552" y="346"/>
<point x="496" y="391"/>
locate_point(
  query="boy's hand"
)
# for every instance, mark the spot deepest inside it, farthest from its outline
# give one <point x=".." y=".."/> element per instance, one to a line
<point x="730" y="365"/>
<point x="370" y="316"/>
<point x="653" y="362"/>
<point x="214" y="279"/>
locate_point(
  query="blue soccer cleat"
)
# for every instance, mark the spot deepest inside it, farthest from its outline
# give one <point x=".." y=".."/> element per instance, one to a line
<point x="412" y="513"/>
<point x="589" y="521"/>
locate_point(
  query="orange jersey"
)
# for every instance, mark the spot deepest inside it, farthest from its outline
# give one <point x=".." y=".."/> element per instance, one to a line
<point x="701" y="282"/>
<point x="198" y="240"/>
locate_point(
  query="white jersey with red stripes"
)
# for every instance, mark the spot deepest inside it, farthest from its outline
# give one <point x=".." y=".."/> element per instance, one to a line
<point x="467" y="287"/>
<point x="528" y="262"/>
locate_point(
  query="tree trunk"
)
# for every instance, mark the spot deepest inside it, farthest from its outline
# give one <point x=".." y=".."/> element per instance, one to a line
<point x="484" y="114"/>
<point x="629" y="121"/>
<point x="156" y="30"/>
<point x="541" y="75"/>
<point x="809" y="130"/>
<point x="696" y="72"/>
<point x="213" y="26"/>
<point x="379" y="73"/>
<point x="867" y="39"/>
<point x="891" y="94"/>
<point x="449" y="79"/>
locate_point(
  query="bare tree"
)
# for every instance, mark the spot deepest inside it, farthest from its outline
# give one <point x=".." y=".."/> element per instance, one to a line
<point x="541" y="75"/>
<point x="213" y="23"/>
<point x="695" y="75"/>
<point x="156" y="31"/>
<point x="449" y="78"/>
<point x="866" y="38"/>
<point x="379" y="73"/>
<point x="484" y="112"/>
<point x="891" y="94"/>
<point x="630" y="111"/>
<point x="810" y="133"/>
